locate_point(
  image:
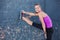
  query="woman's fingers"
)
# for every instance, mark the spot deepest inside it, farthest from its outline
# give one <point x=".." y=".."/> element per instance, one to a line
<point x="45" y="36"/>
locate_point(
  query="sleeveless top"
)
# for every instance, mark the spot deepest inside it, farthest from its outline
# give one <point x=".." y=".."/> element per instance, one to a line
<point x="47" y="21"/>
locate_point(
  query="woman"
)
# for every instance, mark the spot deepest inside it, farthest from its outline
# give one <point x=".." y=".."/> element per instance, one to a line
<point x="46" y="22"/>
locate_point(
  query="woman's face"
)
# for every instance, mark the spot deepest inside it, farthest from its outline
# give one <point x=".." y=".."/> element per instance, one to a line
<point x="37" y="8"/>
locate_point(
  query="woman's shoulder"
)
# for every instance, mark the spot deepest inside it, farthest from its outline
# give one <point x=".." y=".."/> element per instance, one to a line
<point x="44" y="14"/>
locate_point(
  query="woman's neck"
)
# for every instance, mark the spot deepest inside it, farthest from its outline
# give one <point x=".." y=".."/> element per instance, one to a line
<point x="39" y="11"/>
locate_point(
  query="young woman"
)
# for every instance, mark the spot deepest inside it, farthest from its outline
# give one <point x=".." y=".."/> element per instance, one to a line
<point x="46" y="22"/>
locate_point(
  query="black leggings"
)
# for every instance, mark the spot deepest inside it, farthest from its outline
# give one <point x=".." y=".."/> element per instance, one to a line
<point x="49" y="30"/>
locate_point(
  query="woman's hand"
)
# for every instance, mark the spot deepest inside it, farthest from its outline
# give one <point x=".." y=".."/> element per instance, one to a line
<point x="45" y="35"/>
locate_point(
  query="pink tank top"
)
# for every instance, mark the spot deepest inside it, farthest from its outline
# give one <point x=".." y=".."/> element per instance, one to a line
<point x="48" y="22"/>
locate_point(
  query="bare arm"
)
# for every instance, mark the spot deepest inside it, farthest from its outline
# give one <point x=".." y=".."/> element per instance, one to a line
<point x="29" y="13"/>
<point x="43" y="25"/>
